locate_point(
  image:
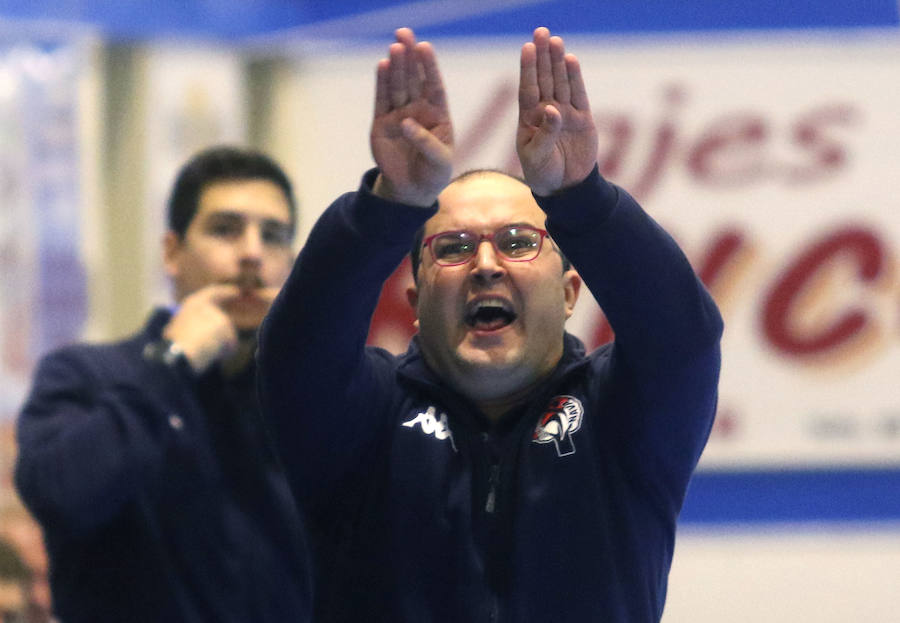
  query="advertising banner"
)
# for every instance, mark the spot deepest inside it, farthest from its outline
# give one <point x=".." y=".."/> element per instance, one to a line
<point x="45" y="221"/>
<point x="771" y="161"/>
<point x="42" y="273"/>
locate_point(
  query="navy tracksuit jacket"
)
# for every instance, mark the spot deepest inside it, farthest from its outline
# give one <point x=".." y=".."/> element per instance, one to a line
<point x="418" y="510"/>
<point x="159" y="497"/>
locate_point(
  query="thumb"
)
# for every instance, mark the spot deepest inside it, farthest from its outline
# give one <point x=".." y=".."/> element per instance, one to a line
<point x="552" y="121"/>
<point x="544" y="139"/>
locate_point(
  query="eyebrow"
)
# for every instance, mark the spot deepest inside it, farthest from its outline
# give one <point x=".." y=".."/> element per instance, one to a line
<point x="233" y="215"/>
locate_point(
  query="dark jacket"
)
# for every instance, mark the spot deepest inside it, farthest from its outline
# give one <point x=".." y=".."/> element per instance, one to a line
<point x="419" y="510"/>
<point x="159" y="497"/>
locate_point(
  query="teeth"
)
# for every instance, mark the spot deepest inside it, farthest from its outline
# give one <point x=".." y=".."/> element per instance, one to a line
<point x="490" y="303"/>
<point x="495" y="305"/>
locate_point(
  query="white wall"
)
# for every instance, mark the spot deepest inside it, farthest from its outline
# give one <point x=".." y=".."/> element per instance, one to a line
<point x="796" y="575"/>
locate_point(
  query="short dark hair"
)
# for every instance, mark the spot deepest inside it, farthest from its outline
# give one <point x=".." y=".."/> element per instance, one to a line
<point x="219" y="164"/>
<point x="415" y="252"/>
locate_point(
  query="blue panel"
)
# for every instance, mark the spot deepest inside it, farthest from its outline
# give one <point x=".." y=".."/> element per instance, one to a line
<point x="832" y="495"/>
<point x="669" y="15"/>
<point x="239" y="18"/>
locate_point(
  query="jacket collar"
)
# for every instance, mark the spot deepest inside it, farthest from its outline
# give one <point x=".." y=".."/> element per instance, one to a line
<point x="158" y="319"/>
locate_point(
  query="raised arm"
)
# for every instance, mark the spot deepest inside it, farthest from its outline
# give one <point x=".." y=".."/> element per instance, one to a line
<point x="315" y="374"/>
<point x="556" y="138"/>
<point x="666" y="351"/>
<point x="631" y="265"/>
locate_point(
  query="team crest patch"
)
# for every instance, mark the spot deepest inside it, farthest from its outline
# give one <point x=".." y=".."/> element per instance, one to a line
<point x="560" y="420"/>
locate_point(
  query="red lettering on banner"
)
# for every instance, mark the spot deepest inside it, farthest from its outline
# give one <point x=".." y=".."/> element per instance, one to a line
<point x="781" y="305"/>
<point x="615" y="132"/>
<point x="723" y="263"/>
<point x="734" y="149"/>
<point x="827" y="154"/>
<point x="663" y="144"/>
<point x="730" y="152"/>
<point x="724" y="247"/>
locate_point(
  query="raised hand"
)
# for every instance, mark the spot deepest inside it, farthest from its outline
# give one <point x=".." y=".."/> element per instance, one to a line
<point x="556" y="139"/>
<point x="411" y="136"/>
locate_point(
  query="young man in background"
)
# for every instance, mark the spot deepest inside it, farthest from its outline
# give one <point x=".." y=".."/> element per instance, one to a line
<point x="145" y="460"/>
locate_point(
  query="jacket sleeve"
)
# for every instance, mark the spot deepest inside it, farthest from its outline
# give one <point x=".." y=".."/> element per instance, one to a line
<point x="666" y="354"/>
<point x="92" y="437"/>
<point x="319" y="384"/>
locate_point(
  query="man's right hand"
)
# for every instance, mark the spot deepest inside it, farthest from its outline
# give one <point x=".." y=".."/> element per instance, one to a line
<point x="201" y="327"/>
<point x="411" y="136"/>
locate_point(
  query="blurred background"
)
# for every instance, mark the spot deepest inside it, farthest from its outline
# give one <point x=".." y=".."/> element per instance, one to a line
<point x="764" y="135"/>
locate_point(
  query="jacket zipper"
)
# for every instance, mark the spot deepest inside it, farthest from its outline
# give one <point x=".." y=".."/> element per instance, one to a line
<point x="490" y="503"/>
<point x="490" y="508"/>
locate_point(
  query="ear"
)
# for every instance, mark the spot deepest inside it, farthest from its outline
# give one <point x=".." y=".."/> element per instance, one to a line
<point x="412" y="297"/>
<point x="171" y="246"/>
<point x="571" y="287"/>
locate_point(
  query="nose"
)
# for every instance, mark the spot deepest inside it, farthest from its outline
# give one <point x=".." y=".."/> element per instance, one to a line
<point x="487" y="267"/>
<point x="251" y="245"/>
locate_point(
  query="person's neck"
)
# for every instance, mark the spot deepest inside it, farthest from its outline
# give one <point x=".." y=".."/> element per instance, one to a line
<point x="495" y="409"/>
<point x="241" y="358"/>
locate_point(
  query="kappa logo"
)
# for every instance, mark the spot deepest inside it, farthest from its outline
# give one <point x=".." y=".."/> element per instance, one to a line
<point x="560" y="420"/>
<point x="432" y="425"/>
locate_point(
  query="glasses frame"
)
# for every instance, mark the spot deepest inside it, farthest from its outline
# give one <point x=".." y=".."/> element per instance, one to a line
<point x="482" y="237"/>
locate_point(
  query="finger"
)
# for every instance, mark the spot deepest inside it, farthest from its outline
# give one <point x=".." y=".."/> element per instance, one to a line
<point x="414" y="71"/>
<point x="529" y="94"/>
<point x="544" y="64"/>
<point x="397" y="73"/>
<point x="579" y="97"/>
<point x="416" y="77"/>
<point x="430" y="146"/>
<point x="561" y="91"/>
<point x="268" y="294"/>
<point x="406" y="36"/>
<point x="382" y="99"/>
<point x="433" y="83"/>
<point x="219" y="293"/>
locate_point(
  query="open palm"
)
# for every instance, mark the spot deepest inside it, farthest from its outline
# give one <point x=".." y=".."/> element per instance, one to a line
<point x="411" y="136"/>
<point x="556" y="138"/>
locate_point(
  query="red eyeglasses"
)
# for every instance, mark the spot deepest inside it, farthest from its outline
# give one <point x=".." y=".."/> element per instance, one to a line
<point x="515" y="243"/>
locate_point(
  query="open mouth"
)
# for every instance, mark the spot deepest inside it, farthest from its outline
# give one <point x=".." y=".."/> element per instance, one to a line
<point x="489" y="314"/>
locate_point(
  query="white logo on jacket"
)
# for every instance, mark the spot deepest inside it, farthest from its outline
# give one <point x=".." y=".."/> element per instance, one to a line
<point x="561" y="418"/>
<point x="432" y="426"/>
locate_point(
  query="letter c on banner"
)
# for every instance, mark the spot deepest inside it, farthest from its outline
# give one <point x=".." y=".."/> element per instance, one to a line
<point x="780" y="308"/>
